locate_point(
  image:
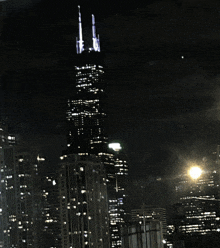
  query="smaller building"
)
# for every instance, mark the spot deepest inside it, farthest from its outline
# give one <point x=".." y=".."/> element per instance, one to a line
<point x="116" y="184"/>
<point x="198" y="205"/>
<point x="147" y="213"/>
<point x="145" y="235"/>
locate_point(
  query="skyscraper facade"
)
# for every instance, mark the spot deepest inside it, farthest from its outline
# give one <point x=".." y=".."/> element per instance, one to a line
<point x="7" y="190"/>
<point x="83" y="203"/>
<point x="117" y="195"/>
<point x="85" y="114"/>
<point x="27" y="214"/>
<point x="86" y="118"/>
<point x="49" y="231"/>
<point x="19" y="194"/>
<point x="198" y="204"/>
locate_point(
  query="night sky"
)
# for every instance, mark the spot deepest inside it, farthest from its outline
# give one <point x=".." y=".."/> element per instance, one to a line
<point x="162" y="62"/>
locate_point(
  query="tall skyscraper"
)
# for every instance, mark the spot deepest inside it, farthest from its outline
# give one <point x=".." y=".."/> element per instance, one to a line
<point x="117" y="183"/>
<point x="49" y="231"/>
<point x="85" y="112"/>
<point x="86" y="119"/>
<point x="7" y="158"/>
<point x="19" y="195"/>
<point x="28" y="215"/>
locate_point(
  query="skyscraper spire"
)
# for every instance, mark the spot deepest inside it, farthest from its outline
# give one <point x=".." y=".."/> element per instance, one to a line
<point x="96" y="43"/>
<point x="79" y="41"/>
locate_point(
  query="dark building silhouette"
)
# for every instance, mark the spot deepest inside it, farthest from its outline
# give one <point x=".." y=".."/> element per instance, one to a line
<point x="198" y="205"/>
<point x="20" y="195"/>
<point x="86" y="121"/>
<point x="85" y="113"/>
<point x="147" y="213"/>
<point x="83" y="203"/>
<point x="143" y="235"/>
<point x="29" y="214"/>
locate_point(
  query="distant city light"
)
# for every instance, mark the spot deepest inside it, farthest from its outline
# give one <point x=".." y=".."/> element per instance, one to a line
<point x="195" y="172"/>
<point x="40" y="158"/>
<point x="115" y="146"/>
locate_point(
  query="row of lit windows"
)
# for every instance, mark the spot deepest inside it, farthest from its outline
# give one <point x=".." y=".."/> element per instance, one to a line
<point x="88" y="67"/>
<point x="80" y="101"/>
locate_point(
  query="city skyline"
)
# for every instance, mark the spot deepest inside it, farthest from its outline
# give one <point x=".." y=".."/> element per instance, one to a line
<point x="161" y="72"/>
<point x="149" y="82"/>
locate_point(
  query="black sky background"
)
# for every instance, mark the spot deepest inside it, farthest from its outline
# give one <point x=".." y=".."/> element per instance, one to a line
<point x="162" y="107"/>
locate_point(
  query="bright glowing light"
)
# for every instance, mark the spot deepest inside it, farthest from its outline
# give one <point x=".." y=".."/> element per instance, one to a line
<point x="195" y="172"/>
<point x="115" y="146"/>
<point x="40" y="158"/>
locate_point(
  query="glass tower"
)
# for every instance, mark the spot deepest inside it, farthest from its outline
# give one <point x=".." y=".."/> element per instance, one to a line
<point x="87" y="128"/>
<point x="85" y="112"/>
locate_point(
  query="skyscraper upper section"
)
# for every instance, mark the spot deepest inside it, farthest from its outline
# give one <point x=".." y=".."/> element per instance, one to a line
<point x="95" y="39"/>
<point x="85" y="112"/>
<point x="87" y="136"/>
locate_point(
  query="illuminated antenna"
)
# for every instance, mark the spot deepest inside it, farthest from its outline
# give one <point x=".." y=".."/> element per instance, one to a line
<point x="79" y="41"/>
<point x="96" y="43"/>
